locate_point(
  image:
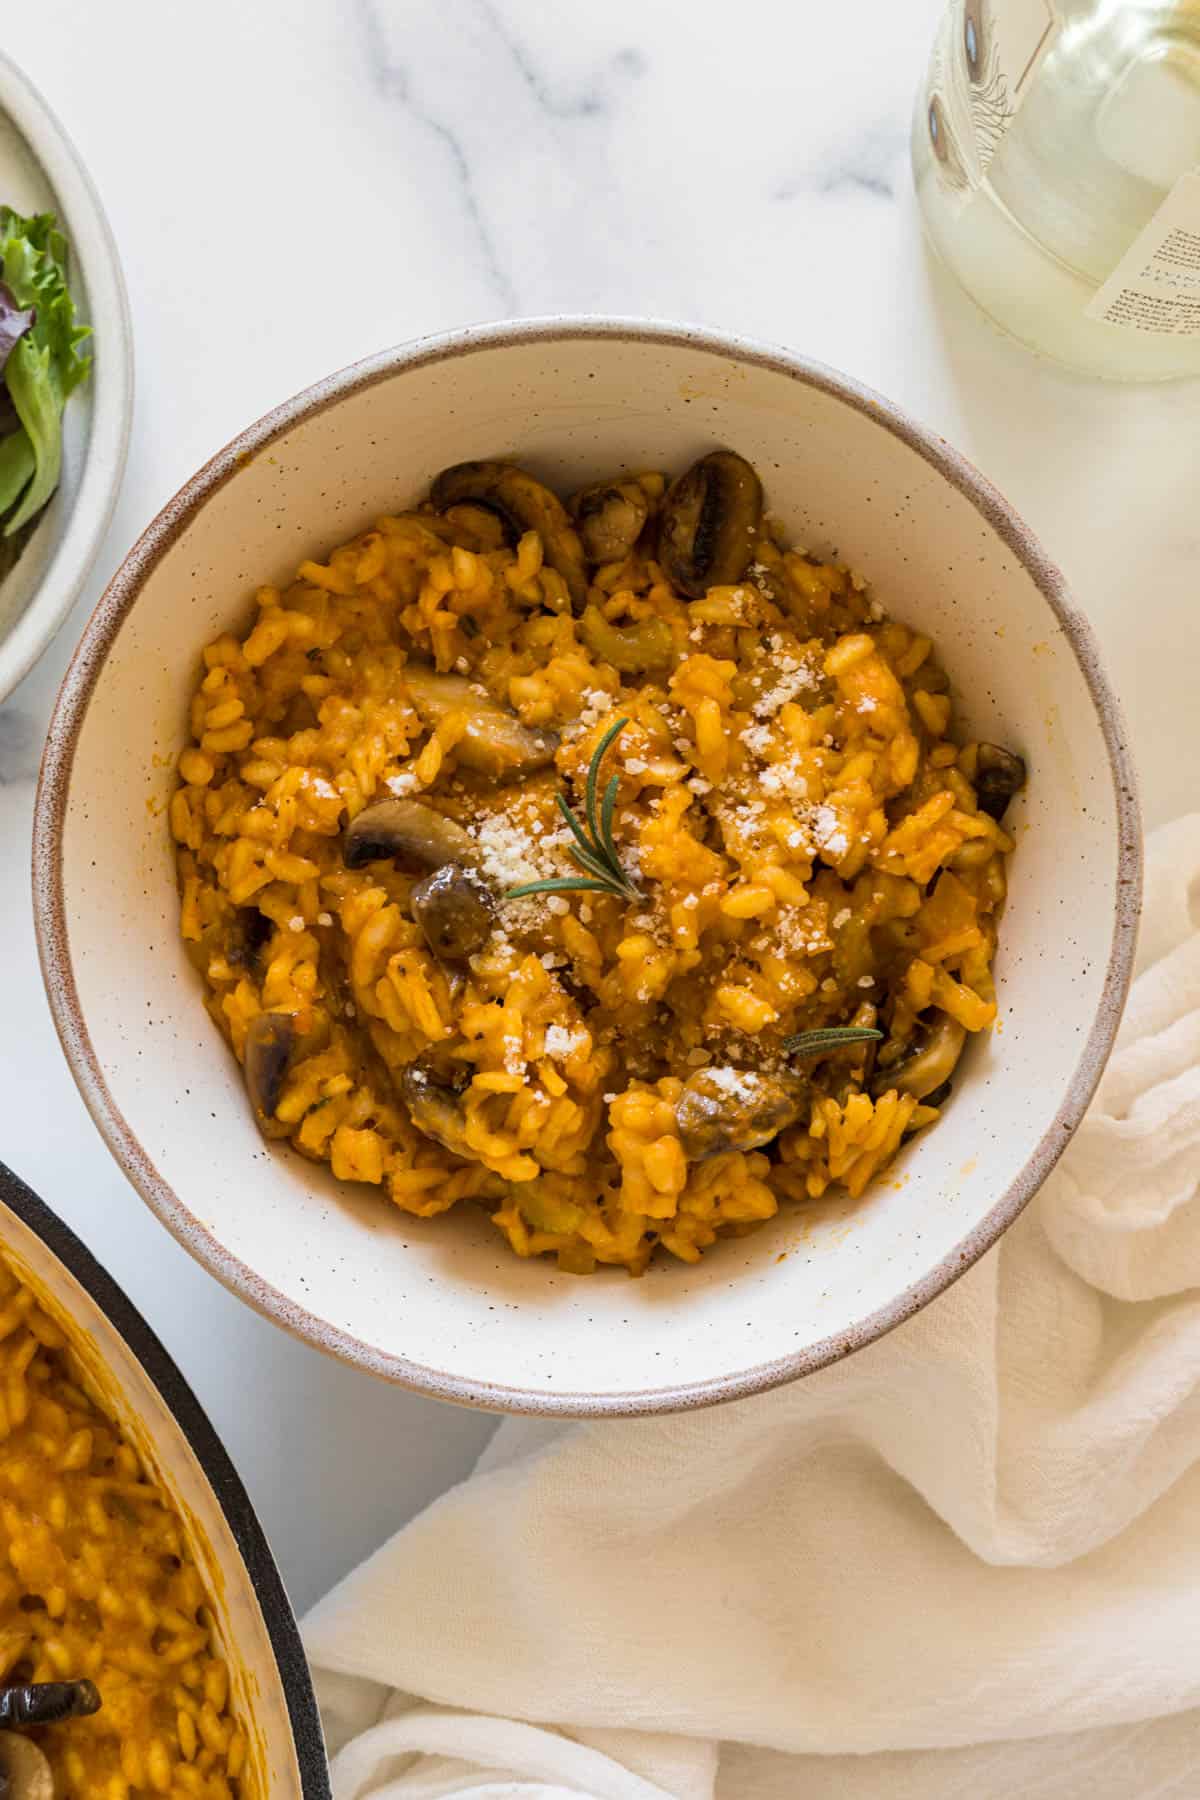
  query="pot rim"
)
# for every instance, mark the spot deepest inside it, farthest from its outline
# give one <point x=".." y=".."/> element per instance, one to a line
<point x="164" y="1374"/>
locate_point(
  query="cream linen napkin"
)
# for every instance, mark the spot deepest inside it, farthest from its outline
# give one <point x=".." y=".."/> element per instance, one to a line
<point x="965" y="1561"/>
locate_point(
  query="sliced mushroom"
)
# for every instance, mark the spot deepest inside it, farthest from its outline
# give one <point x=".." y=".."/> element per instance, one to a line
<point x="454" y="910"/>
<point x="24" y="1703"/>
<point x="495" y="742"/>
<point x="610" y="517"/>
<point x="709" y="524"/>
<point x="722" y="1108"/>
<point x="253" y="930"/>
<point x="930" y="1062"/>
<point x="416" y="837"/>
<point x="524" y="505"/>
<point x="270" y="1041"/>
<point x="24" y="1772"/>
<point x="646" y="644"/>
<point x="434" y="1108"/>
<point x="998" y="776"/>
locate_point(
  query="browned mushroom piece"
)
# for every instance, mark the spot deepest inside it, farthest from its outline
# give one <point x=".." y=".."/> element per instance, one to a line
<point x="610" y="517"/>
<point x="709" y="523"/>
<point x="435" y="1108"/>
<point x="523" y="504"/>
<point x="999" y="774"/>
<point x="25" y="1773"/>
<point x="723" y="1108"/>
<point x="634" y="648"/>
<point x="454" y="910"/>
<point x="495" y="742"/>
<point x="26" y="1703"/>
<point x="928" y="1064"/>
<point x="416" y="837"/>
<point x="270" y="1041"/>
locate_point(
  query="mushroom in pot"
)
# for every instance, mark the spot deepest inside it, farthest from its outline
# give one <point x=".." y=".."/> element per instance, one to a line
<point x="416" y="837"/>
<point x="46" y="1703"/>
<point x="495" y="742"/>
<point x="610" y="517"/>
<point x="454" y="910"/>
<point x="523" y="504"/>
<point x="709" y="523"/>
<point x="930" y="1062"/>
<point x="24" y="1772"/>
<point x="723" y="1108"/>
<point x="999" y="774"/>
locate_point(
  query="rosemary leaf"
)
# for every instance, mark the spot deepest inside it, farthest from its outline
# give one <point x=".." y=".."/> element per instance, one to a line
<point x="564" y="884"/>
<point x="829" y="1037"/>
<point x="594" y="848"/>
<point x="577" y="831"/>
<point x="593" y="774"/>
<point x="606" y="819"/>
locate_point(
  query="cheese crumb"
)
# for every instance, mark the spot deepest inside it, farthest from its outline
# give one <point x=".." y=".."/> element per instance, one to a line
<point x="296" y="923"/>
<point x="828" y="832"/>
<point x="560" y="1042"/>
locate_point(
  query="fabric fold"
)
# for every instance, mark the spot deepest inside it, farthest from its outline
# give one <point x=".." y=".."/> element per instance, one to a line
<point x="968" y="1553"/>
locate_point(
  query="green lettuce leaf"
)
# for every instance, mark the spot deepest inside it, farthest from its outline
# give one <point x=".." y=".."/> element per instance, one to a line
<point x="46" y="366"/>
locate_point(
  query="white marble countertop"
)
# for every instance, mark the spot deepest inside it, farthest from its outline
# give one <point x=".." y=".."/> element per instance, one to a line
<point x="296" y="183"/>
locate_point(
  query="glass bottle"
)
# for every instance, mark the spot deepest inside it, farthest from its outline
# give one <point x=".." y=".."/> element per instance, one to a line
<point x="1056" y="153"/>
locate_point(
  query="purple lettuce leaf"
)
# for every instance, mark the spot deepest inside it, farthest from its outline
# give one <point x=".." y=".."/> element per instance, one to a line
<point x="15" y="321"/>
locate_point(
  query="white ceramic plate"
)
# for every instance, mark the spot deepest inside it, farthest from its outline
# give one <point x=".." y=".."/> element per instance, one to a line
<point x="40" y="171"/>
<point x="443" y="1305"/>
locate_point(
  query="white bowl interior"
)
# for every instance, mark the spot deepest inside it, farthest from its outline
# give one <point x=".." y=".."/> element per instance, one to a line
<point x="147" y="1420"/>
<point x="446" y="1297"/>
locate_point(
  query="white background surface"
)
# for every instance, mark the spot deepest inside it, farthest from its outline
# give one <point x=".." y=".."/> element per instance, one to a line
<point x="296" y="183"/>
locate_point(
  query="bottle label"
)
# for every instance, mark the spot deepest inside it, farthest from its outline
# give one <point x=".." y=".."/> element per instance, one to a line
<point x="1156" y="285"/>
<point x="984" y="57"/>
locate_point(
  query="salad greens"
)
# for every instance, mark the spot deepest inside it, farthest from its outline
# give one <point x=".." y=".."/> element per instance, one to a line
<point x="40" y="362"/>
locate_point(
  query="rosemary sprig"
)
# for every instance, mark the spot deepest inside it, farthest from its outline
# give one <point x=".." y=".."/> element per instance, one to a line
<point x="594" y="849"/>
<point x="829" y="1037"/>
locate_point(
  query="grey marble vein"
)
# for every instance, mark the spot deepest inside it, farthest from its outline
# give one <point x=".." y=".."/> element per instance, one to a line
<point x="870" y="163"/>
<point x="394" y="81"/>
<point x="529" y="142"/>
<point x="593" y="100"/>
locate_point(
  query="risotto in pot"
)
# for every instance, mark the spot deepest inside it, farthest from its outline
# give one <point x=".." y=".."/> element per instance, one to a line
<point x="113" y="1684"/>
<point x="612" y="865"/>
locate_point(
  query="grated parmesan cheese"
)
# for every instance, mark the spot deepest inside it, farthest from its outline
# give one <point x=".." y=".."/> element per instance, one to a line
<point x="828" y="832"/>
<point x="560" y="1042"/>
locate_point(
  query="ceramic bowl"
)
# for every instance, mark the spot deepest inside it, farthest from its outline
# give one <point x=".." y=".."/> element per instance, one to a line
<point x="444" y="1306"/>
<point x="159" y="1413"/>
<point x="40" y="171"/>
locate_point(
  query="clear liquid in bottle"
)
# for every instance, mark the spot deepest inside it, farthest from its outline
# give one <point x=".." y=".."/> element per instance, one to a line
<point x="1056" y="153"/>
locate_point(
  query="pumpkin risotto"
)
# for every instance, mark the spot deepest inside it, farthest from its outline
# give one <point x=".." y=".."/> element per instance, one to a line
<point x="99" y="1596"/>
<point x="614" y="866"/>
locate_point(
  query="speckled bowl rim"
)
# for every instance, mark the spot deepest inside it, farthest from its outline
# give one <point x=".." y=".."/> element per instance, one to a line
<point x="195" y="1427"/>
<point x="93" y="248"/>
<point x="54" y="941"/>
